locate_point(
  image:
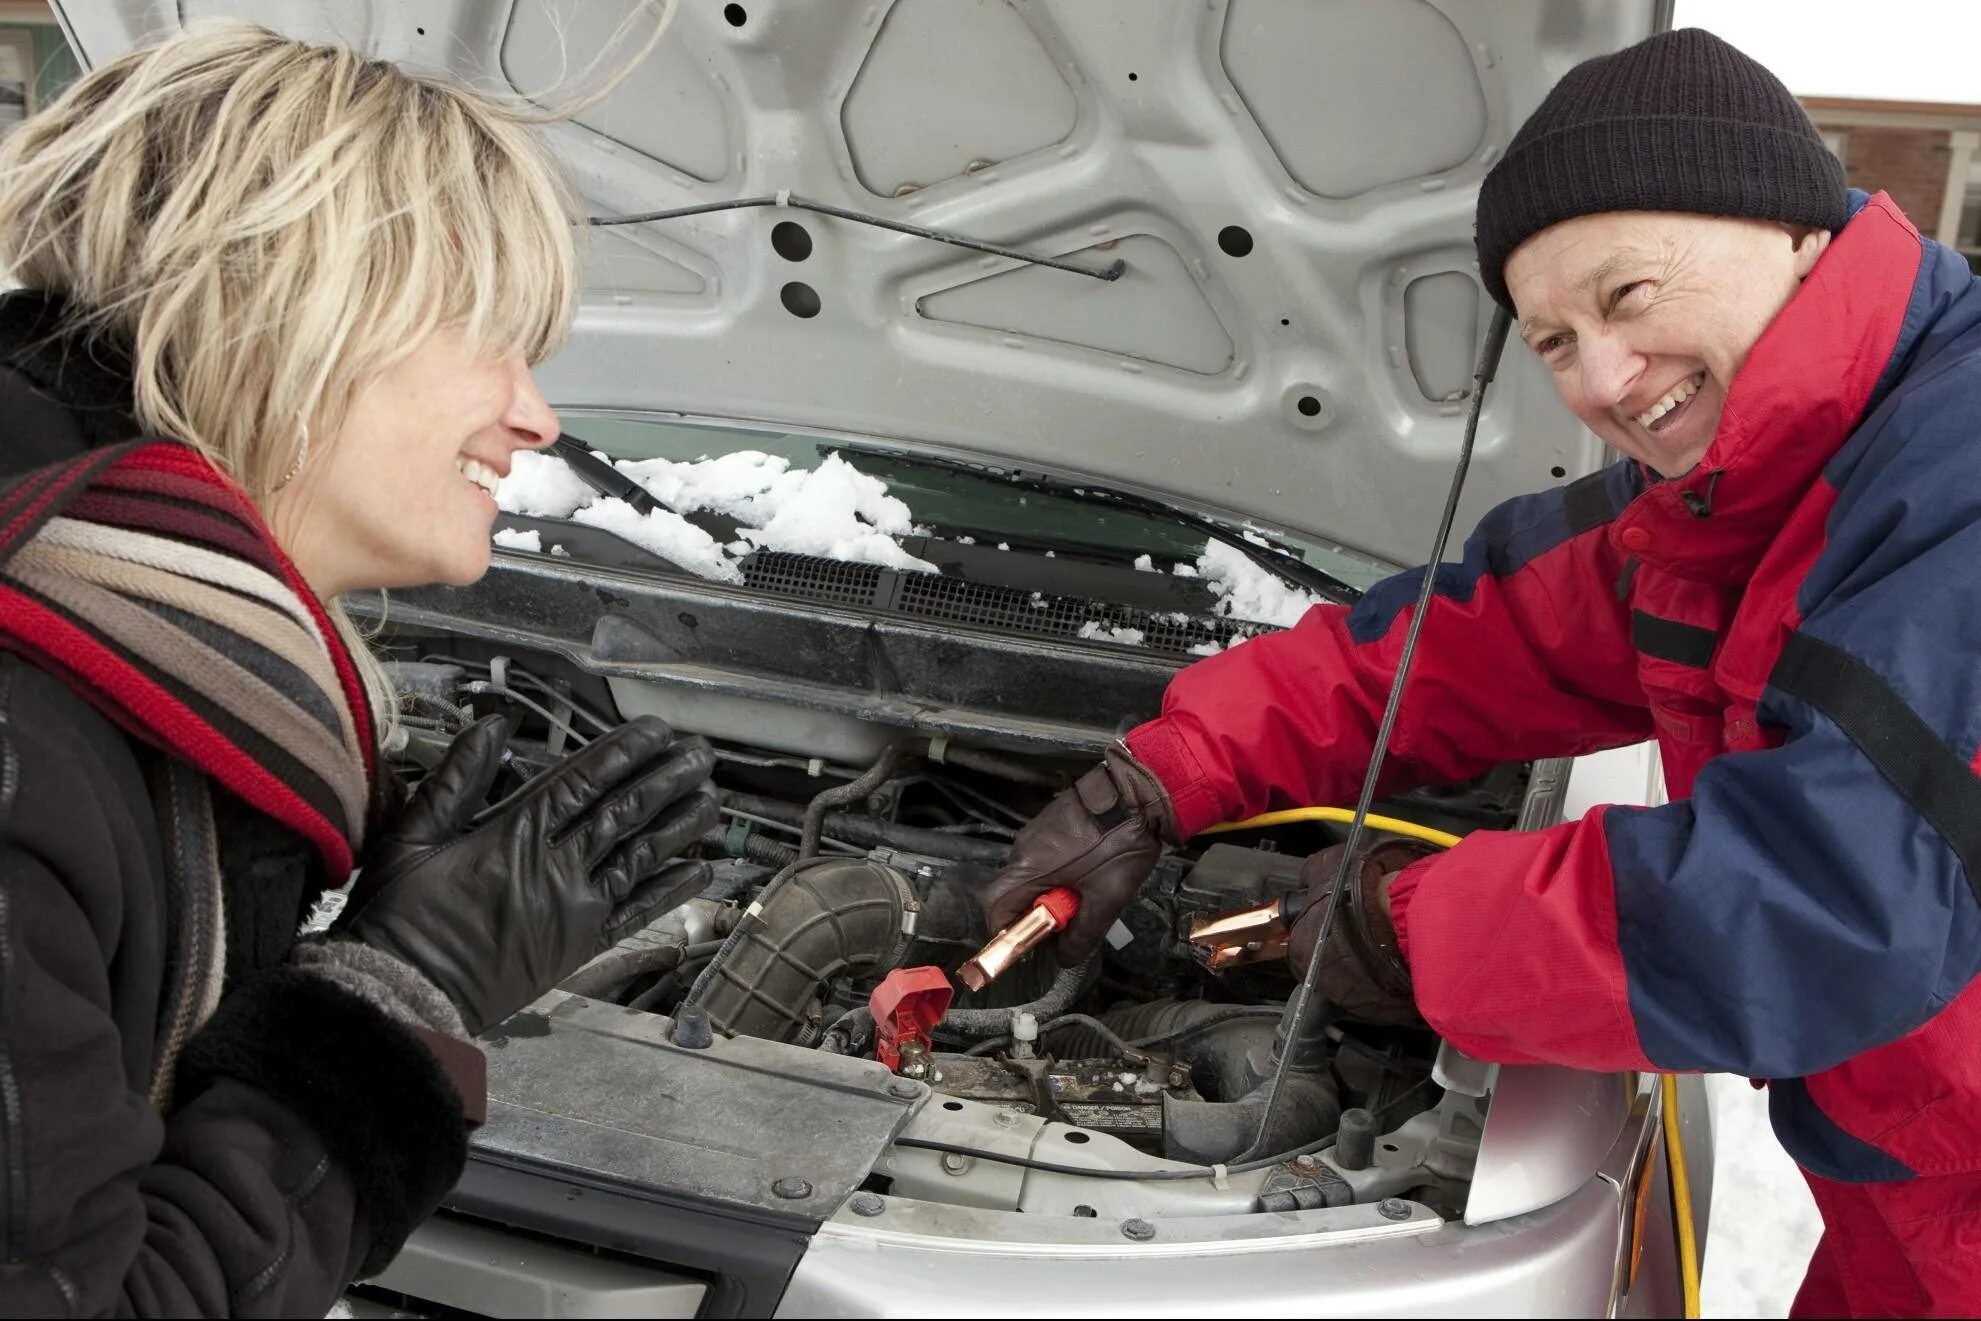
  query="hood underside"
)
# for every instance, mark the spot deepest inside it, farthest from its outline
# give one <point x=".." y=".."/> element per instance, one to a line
<point x="1289" y="183"/>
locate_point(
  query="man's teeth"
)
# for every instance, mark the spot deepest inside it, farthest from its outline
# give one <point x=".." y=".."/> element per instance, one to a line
<point x="479" y="473"/>
<point x="1681" y="392"/>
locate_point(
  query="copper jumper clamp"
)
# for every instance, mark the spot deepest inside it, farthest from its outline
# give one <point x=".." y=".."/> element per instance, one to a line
<point x="1248" y="935"/>
<point x="1050" y="912"/>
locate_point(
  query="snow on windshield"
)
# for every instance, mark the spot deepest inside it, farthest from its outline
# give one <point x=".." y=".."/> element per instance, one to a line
<point x="833" y="511"/>
<point x="1245" y="592"/>
<point x="519" y="539"/>
<point x="1248" y="591"/>
<point x="541" y="486"/>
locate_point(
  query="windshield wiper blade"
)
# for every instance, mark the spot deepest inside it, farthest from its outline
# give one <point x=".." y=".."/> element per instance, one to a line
<point x="601" y="476"/>
<point x="1272" y="559"/>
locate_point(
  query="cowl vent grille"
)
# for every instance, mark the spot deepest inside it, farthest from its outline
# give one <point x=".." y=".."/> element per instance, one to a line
<point x="983" y="605"/>
<point x="813" y="578"/>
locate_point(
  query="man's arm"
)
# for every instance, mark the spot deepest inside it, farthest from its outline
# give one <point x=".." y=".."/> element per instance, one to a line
<point x="1525" y="653"/>
<point x="1806" y="904"/>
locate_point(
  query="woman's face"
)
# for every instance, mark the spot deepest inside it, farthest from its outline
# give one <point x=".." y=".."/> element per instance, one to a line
<point x="401" y="495"/>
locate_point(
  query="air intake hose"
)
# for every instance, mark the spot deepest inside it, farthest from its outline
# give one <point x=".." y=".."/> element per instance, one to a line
<point x="1215" y="1131"/>
<point x="821" y="919"/>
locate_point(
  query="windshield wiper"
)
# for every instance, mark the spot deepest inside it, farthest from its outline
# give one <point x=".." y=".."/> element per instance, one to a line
<point x="1281" y="563"/>
<point x="601" y="476"/>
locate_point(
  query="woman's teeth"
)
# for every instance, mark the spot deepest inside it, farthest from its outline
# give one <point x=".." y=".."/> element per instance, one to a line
<point x="1681" y="392"/>
<point x="479" y="473"/>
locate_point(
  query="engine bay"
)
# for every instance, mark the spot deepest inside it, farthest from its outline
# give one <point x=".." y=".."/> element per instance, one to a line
<point x="1148" y="1063"/>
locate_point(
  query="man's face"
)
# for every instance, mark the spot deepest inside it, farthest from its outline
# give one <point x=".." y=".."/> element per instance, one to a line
<point x="1645" y="317"/>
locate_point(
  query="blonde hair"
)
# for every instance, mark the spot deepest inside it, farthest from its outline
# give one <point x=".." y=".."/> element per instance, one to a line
<point x="266" y="225"/>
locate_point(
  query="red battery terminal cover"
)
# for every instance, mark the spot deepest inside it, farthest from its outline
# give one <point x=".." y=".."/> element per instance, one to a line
<point x="907" y="1005"/>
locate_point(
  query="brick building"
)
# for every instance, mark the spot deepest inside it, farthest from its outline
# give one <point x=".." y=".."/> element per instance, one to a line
<point x="1927" y="155"/>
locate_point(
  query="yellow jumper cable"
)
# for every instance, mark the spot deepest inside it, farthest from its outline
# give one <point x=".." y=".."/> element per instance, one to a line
<point x="1681" y="1195"/>
<point x="1394" y="825"/>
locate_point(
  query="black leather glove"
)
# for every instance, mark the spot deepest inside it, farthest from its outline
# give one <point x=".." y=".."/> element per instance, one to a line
<point x="1362" y="972"/>
<point x="496" y="905"/>
<point x="1101" y="837"/>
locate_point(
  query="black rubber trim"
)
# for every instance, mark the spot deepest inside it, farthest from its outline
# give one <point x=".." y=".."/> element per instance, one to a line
<point x="746" y="1256"/>
<point x="1586" y="501"/>
<point x="1667" y="639"/>
<point x="1905" y="749"/>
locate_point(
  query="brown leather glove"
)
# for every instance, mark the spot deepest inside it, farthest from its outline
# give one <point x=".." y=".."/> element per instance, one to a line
<point x="1101" y="838"/>
<point x="1362" y="972"/>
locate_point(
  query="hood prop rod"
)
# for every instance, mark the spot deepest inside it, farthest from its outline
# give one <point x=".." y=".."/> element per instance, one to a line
<point x="1293" y="1023"/>
<point x="1112" y="271"/>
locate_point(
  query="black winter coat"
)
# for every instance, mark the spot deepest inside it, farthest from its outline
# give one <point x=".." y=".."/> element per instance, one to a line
<point x="306" y="1133"/>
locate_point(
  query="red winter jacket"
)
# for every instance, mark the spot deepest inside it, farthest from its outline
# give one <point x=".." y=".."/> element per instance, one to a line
<point x="1798" y="622"/>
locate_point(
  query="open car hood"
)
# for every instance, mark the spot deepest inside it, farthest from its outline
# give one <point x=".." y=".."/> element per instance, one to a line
<point x="1289" y="183"/>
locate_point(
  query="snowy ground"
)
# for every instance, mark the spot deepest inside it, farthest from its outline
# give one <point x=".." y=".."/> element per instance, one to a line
<point x="1763" y="1225"/>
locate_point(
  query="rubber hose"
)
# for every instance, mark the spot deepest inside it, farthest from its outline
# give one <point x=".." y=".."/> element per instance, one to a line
<point x="653" y="949"/>
<point x="1147" y="1019"/>
<point x="892" y="760"/>
<point x="819" y="920"/>
<point x="1215" y="1132"/>
<point x="1162" y="1018"/>
<point x="871" y="832"/>
<point x="619" y="965"/>
<point x="1113" y="1042"/>
<point x="1065" y="989"/>
<point x="667" y="981"/>
<point x="757" y="849"/>
<point x="730" y="878"/>
<point x="1225" y="1129"/>
<point x="772" y="852"/>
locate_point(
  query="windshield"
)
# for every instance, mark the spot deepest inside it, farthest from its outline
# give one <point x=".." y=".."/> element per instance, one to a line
<point x="953" y="503"/>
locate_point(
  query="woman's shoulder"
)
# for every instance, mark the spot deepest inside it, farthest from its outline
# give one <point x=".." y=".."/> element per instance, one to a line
<point x="72" y="789"/>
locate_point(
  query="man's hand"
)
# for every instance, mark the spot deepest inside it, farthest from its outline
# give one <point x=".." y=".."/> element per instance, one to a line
<point x="1362" y="973"/>
<point x="495" y="905"/>
<point x="1101" y="838"/>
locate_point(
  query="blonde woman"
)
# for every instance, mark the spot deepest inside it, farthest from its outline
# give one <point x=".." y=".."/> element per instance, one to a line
<point x="272" y="339"/>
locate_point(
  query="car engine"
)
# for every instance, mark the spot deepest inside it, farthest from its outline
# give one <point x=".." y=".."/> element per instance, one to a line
<point x="828" y="877"/>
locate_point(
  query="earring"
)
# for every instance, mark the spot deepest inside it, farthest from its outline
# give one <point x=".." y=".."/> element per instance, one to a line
<point x="302" y="455"/>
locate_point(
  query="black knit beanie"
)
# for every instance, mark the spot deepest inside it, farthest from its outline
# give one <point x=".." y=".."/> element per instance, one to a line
<point x="1679" y="122"/>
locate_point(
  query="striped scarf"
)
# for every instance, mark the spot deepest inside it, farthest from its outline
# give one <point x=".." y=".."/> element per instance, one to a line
<point x="147" y="581"/>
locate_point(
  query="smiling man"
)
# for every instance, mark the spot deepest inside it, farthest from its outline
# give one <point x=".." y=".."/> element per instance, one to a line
<point x="1646" y="317"/>
<point x="1781" y="583"/>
